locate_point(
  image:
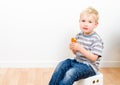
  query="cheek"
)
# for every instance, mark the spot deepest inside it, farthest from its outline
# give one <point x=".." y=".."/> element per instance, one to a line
<point x="80" y="24"/>
<point x="91" y="27"/>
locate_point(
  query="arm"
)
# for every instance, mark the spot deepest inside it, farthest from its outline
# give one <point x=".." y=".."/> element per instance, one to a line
<point x="77" y="47"/>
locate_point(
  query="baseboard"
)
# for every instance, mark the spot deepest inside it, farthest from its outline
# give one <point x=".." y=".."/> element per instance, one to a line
<point x="47" y="64"/>
<point x="110" y="64"/>
<point x="28" y="64"/>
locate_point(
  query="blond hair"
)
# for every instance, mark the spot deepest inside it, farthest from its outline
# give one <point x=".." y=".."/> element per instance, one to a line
<point x="91" y="11"/>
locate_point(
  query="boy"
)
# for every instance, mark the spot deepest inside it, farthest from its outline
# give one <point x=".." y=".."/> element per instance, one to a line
<point x="88" y="50"/>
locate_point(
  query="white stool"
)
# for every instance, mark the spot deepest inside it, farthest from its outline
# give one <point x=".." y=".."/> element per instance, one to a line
<point x="93" y="80"/>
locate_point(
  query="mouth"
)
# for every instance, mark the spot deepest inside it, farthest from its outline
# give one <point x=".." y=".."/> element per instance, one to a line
<point x="85" y="28"/>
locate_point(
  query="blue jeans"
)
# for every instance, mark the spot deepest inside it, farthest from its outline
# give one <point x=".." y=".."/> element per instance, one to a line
<point x="69" y="71"/>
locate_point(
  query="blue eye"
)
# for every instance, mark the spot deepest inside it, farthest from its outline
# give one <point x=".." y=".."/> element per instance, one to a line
<point x="90" y="21"/>
<point x="83" y="20"/>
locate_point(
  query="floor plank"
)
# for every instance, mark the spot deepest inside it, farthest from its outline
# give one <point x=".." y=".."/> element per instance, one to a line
<point x="41" y="76"/>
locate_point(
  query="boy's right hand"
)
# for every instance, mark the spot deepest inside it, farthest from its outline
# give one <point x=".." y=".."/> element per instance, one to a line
<point x="74" y="51"/>
<point x="73" y="40"/>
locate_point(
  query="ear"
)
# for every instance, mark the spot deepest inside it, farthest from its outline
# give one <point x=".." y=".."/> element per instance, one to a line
<point x="96" y="24"/>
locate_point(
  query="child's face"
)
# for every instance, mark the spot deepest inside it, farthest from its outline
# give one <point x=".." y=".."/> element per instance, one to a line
<point x="87" y="23"/>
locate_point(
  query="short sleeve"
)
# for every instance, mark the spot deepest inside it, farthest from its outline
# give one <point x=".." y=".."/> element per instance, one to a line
<point x="97" y="48"/>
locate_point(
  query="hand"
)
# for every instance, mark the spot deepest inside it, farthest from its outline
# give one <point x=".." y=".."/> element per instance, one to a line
<point x="75" y="46"/>
<point x="74" y="51"/>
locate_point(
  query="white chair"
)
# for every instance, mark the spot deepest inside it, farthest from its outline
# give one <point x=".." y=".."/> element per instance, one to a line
<point x="93" y="80"/>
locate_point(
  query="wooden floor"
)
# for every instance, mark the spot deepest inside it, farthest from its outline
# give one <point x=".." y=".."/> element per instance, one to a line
<point x="41" y="76"/>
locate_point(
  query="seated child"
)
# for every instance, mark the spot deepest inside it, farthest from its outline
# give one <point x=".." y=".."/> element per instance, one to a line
<point x="87" y="48"/>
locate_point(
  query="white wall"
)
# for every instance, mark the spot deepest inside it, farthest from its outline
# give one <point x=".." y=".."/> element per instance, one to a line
<point x="36" y="33"/>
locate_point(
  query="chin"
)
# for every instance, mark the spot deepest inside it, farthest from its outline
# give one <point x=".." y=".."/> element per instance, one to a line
<point x="87" y="32"/>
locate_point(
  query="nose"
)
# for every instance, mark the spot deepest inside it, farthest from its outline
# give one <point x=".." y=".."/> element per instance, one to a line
<point x="85" y="24"/>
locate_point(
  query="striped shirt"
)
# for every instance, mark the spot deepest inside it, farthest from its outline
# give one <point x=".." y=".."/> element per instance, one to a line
<point x="92" y="43"/>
